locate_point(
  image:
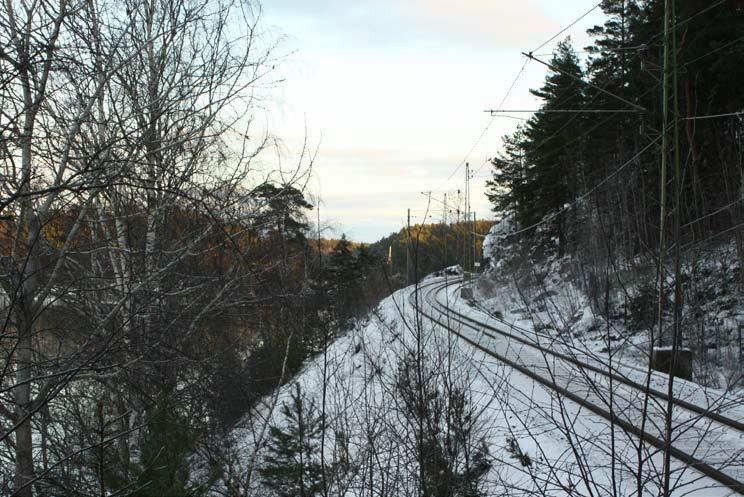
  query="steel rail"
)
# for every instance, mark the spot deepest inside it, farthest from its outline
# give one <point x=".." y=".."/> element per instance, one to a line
<point x="706" y="412"/>
<point x="693" y="462"/>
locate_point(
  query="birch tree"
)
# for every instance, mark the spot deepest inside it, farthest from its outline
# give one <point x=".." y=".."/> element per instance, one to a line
<point x="127" y="164"/>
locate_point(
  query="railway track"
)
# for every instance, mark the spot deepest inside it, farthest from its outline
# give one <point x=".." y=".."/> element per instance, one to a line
<point x="590" y="385"/>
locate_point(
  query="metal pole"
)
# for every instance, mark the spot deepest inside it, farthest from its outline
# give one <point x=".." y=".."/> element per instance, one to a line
<point x="408" y="249"/>
<point x="475" y="242"/>
<point x="663" y="177"/>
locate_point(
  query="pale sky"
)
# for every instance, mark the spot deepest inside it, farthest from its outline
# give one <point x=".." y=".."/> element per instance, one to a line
<point x="393" y="93"/>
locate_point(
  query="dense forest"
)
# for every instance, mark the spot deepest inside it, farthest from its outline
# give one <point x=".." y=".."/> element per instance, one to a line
<point x="156" y="279"/>
<point x="415" y="252"/>
<point x="632" y="167"/>
<point x="591" y="154"/>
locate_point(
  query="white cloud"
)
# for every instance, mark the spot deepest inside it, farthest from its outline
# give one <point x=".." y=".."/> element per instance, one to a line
<point x="502" y="22"/>
<point x="397" y="90"/>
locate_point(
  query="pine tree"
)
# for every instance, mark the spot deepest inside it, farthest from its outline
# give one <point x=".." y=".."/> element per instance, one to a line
<point x="506" y="189"/>
<point x="554" y="171"/>
<point x="291" y="467"/>
<point x="613" y="66"/>
<point x="283" y="212"/>
<point x="612" y="54"/>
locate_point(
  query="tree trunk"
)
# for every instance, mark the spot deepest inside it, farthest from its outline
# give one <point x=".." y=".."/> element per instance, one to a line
<point x="24" y="472"/>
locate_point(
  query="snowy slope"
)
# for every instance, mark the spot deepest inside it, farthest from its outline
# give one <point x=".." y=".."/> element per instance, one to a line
<point x="538" y="443"/>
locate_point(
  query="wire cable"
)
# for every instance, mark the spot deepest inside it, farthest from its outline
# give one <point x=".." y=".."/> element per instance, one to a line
<point x="488" y="125"/>
<point x="723" y="47"/>
<point x="567" y="28"/>
<point x="586" y="194"/>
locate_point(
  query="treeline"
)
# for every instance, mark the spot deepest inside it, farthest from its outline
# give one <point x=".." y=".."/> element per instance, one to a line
<point x="588" y="161"/>
<point x="425" y="248"/>
<point x="229" y="321"/>
<point x="155" y="281"/>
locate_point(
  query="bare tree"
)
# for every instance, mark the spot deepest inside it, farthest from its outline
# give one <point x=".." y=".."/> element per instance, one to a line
<point x="127" y="211"/>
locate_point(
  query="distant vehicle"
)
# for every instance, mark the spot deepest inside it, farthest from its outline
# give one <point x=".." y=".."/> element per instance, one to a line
<point x="449" y="271"/>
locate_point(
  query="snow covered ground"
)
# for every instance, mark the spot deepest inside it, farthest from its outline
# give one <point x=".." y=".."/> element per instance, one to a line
<point x="549" y="296"/>
<point x="539" y="443"/>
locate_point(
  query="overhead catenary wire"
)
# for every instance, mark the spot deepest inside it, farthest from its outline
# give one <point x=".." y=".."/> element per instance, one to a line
<point x="588" y="83"/>
<point x="566" y="28"/>
<point x="575" y="115"/>
<point x="567" y="123"/>
<point x="715" y="50"/>
<point x="565" y="111"/>
<point x="636" y="108"/>
<point x="485" y="130"/>
<point x="677" y="25"/>
<point x="684" y="21"/>
<point x="503" y="100"/>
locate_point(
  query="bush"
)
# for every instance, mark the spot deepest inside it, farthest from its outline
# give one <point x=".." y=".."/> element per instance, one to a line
<point x="642" y="307"/>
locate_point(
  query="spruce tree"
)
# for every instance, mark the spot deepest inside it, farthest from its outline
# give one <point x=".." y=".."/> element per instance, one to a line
<point x="291" y="467"/>
<point x="506" y="189"/>
<point x="554" y="155"/>
<point x="345" y="274"/>
<point x="454" y="459"/>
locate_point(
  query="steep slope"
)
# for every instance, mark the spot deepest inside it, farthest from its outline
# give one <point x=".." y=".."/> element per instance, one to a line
<point x="410" y="406"/>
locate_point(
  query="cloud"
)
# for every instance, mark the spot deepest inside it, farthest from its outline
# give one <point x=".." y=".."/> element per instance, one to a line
<point x="505" y="22"/>
<point x="393" y="22"/>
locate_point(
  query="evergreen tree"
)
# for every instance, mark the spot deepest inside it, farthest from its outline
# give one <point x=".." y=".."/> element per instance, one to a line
<point x="283" y="212"/>
<point x="453" y="458"/>
<point x="612" y="138"/>
<point x="506" y="189"/>
<point x="613" y="66"/>
<point x="612" y="54"/>
<point x="344" y="271"/>
<point x="554" y="172"/>
<point x="168" y="441"/>
<point x="349" y="270"/>
<point x="291" y="467"/>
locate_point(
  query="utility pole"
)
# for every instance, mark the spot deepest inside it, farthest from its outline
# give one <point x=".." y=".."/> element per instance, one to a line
<point x="408" y="249"/>
<point x="663" y="176"/>
<point x="670" y="53"/>
<point x="446" y="232"/>
<point x="320" y="252"/>
<point x="458" y="252"/>
<point x="677" y="193"/>
<point x="475" y="242"/>
<point x="466" y="242"/>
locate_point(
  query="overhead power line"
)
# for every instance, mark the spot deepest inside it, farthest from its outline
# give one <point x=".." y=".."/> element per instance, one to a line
<point x="586" y="194"/>
<point x="569" y="121"/>
<point x="532" y="56"/>
<point x="723" y="47"/>
<point x="588" y="83"/>
<point x="567" y="27"/>
<point x="488" y="125"/>
<point x="685" y="21"/>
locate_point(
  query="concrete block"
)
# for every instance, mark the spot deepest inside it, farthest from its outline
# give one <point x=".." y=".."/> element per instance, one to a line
<point x="662" y="361"/>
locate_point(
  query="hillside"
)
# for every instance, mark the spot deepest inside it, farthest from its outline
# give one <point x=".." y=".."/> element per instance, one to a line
<point x="614" y="309"/>
<point x="471" y="421"/>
